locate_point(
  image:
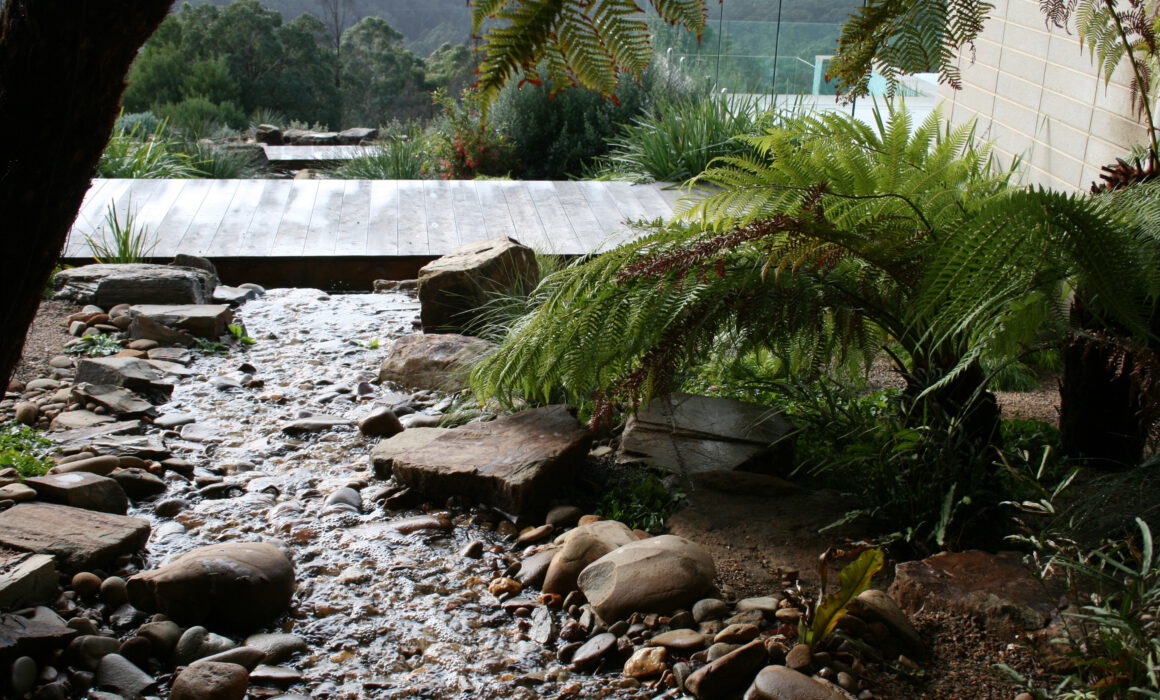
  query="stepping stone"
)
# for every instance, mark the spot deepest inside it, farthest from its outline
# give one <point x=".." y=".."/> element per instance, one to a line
<point x="130" y="372"/>
<point x="439" y="361"/>
<point x="203" y="320"/>
<point x="117" y="400"/>
<point x="107" y="285"/>
<point x="685" y="433"/>
<point x="79" y="420"/>
<point x="26" y="579"/>
<point x="383" y="454"/>
<point x="81" y="490"/>
<point x="23" y="636"/>
<point x="515" y="462"/>
<point x="80" y="539"/>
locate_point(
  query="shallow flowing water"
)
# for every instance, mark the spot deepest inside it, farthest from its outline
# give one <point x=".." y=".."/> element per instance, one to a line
<point x="387" y="615"/>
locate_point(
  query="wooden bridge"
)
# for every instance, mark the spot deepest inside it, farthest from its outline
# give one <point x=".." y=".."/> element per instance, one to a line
<point x="356" y="230"/>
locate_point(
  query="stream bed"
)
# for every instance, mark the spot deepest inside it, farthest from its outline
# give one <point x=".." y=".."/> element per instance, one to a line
<point x="386" y="614"/>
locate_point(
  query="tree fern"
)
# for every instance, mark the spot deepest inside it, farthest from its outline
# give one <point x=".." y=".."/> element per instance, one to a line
<point x="581" y="42"/>
<point x="830" y="241"/>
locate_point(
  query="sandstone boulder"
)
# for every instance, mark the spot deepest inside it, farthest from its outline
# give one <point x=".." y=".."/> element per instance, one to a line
<point x="658" y="574"/>
<point x="998" y="589"/>
<point x="117" y="400"/>
<point x="453" y="287"/>
<point x="515" y="462"/>
<point x="383" y="454"/>
<point x="685" y="433"/>
<point x="432" y="361"/>
<point x="107" y="285"/>
<point x="202" y="320"/>
<point x="81" y="490"/>
<point x="579" y="548"/>
<point x="79" y="539"/>
<point x="128" y="372"/>
<point x="232" y="586"/>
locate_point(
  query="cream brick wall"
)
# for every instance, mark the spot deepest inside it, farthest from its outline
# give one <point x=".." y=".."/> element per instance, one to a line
<point x="1035" y="95"/>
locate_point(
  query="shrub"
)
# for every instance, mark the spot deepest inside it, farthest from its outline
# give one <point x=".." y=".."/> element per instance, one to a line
<point x="143" y="124"/>
<point x="197" y="117"/>
<point x="24" y="449"/>
<point x="400" y="156"/>
<point x="464" y="145"/>
<point x="556" y="136"/>
<point x="677" y="138"/>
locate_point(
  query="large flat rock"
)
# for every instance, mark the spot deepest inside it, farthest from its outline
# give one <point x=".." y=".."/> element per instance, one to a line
<point x="687" y="434"/>
<point x="202" y="320"/>
<point x="128" y="372"/>
<point x="515" y="462"/>
<point x="135" y="283"/>
<point x="80" y="539"/>
<point x="26" y="579"/>
<point x="383" y="454"/>
<point x="440" y="361"/>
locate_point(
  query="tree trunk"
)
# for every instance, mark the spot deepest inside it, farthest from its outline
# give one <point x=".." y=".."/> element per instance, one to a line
<point x="1100" y="417"/>
<point x="964" y="400"/>
<point x="62" y="72"/>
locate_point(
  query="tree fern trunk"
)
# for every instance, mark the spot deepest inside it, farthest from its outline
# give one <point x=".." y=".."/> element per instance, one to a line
<point x="62" y="72"/>
<point x="1100" y="411"/>
<point x="964" y="400"/>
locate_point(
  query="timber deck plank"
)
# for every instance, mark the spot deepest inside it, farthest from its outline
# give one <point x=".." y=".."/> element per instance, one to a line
<point x="368" y="218"/>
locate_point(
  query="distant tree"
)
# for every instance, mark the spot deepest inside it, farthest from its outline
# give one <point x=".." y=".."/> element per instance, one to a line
<point x="451" y="66"/>
<point x="381" y="78"/>
<point x="62" y="72"/>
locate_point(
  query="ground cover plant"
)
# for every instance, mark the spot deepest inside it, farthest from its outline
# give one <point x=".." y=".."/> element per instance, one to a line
<point x="24" y="449"/>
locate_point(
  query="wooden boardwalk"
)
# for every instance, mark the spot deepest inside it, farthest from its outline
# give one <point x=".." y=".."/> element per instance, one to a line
<point x="315" y="154"/>
<point x="367" y="218"/>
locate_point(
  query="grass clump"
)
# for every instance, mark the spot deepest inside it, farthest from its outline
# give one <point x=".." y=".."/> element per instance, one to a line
<point x="401" y="156"/>
<point x="122" y="240"/>
<point x="24" y="449"/>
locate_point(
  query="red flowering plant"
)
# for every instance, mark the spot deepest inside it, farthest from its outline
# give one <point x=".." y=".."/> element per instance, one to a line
<point x="465" y="145"/>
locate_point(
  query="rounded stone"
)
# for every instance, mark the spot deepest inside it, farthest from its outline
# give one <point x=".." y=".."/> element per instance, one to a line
<point x="232" y="586"/>
<point x="23" y="676"/>
<point x="113" y="592"/>
<point x="646" y="662"/>
<point x="709" y="609"/>
<point x="210" y="680"/>
<point x="277" y="646"/>
<point x="26" y="413"/>
<point x="86" y="584"/>
<point x="781" y="683"/>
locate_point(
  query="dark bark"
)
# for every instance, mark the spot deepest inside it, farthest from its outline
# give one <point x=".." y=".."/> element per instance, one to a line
<point x="1101" y="417"/>
<point x="964" y="400"/>
<point x="62" y="72"/>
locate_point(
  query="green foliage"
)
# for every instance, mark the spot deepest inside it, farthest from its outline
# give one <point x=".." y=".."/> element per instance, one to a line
<point x="641" y="501"/>
<point x="399" y="156"/>
<point x="503" y="307"/>
<point x="199" y="117"/>
<point x="556" y="136"/>
<point x="906" y="36"/>
<point x="96" y="345"/>
<point x="140" y="124"/>
<point x="220" y="162"/>
<point x="585" y="44"/>
<point x="121" y="240"/>
<point x="210" y="347"/>
<point x="380" y="77"/>
<point x="815" y="627"/>
<point x="238" y="332"/>
<point x="464" y="145"/>
<point x="132" y="154"/>
<point x="677" y="139"/>
<point x="1119" y="653"/>
<point x="24" y="449"/>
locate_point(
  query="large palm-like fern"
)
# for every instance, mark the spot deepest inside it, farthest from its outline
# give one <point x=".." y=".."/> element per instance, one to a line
<point x="581" y="42"/>
<point x="587" y="42"/>
<point x="833" y="241"/>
